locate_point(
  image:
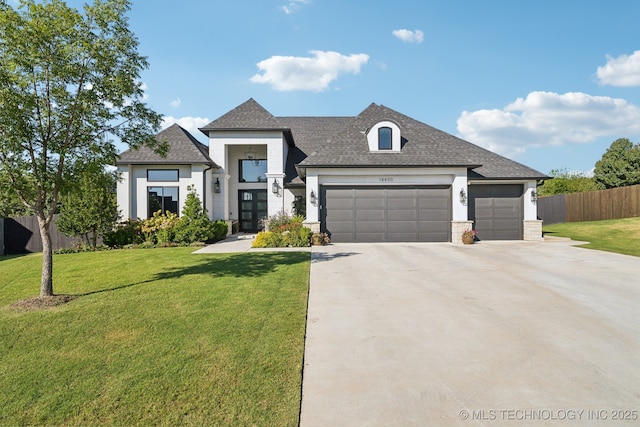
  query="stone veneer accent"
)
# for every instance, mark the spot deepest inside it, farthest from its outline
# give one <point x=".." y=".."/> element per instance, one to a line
<point x="457" y="228"/>
<point x="533" y="230"/>
<point x="313" y="225"/>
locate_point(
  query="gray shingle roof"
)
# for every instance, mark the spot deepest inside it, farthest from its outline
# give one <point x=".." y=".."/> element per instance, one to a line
<point x="342" y="142"/>
<point x="183" y="149"/>
<point x="249" y="115"/>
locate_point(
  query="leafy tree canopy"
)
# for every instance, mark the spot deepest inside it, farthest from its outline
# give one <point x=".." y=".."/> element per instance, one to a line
<point x="69" y="87"/>
<point x="619" y="165"/>
<point x="90" y="210"/>
<point x="564" y="182"/>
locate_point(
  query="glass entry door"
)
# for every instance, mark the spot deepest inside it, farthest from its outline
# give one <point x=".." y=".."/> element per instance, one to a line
<point x="253" y="208"/>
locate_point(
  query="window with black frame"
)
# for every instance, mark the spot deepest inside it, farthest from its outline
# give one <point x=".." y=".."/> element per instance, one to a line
<point x="156" y="175"/>
<point x="253" y="170"/>
<point x="164" y="199"/>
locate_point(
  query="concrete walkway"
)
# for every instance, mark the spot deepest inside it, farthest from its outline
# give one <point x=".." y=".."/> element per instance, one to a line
<point x="241" y="242"/>
<point x="496" y="333"/>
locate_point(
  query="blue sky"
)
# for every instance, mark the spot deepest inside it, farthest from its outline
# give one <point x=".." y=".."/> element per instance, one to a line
<point x="548" y="83"/>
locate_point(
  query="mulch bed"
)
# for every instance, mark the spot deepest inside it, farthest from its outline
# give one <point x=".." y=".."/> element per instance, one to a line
<point x="40" y="303"/>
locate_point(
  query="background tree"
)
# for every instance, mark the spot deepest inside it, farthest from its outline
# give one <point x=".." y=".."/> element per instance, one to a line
<point x="619" y="166"/>
<point x="90" y="209"/>
<point x="69" y="85"/>
<point x="564" y="182"/>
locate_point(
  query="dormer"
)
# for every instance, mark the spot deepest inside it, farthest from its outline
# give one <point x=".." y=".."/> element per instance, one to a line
<point x="384" y="137"/>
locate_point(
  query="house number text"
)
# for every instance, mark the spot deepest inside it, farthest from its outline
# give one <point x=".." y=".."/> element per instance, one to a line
<point x="385" y="179"/>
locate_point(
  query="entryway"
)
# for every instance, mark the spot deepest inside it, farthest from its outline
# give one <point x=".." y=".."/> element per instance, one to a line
<point x="253" y="209"/>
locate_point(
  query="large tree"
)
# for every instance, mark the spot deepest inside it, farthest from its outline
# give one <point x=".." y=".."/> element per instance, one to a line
<point x="565" y="182"/>
<point x="619" y="166"/>
<point x="69" y="87"/>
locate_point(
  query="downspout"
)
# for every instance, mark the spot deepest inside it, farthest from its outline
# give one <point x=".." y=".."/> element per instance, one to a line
<point x="204" y="187"/>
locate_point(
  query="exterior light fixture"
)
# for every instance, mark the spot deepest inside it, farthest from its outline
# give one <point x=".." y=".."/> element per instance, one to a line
<point x="275" y="187"/>
<point x="534" y="197"/>
<point x="463" y="197"/>
<point x="313" y="198"/>
<point x="250" y="154"/>
<point x="216" y="186"/>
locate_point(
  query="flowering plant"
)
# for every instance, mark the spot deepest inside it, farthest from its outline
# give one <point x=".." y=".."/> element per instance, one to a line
<point x="469" y="233"/>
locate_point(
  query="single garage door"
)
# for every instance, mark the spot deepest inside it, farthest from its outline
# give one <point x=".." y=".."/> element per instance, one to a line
<point x="387" y="214"/>
<point x="497" y="211"/>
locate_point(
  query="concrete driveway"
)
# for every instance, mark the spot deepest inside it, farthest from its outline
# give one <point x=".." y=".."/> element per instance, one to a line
<point x="496" y="333"/>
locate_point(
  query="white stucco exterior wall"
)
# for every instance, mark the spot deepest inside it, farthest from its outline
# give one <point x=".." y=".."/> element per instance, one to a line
<point x="132" y="188"/>
<point x="123" y="191"/>
<point x="530" y="208"/>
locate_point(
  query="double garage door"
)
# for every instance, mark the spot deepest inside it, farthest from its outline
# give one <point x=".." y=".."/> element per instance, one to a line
<point x="387" y="214"/>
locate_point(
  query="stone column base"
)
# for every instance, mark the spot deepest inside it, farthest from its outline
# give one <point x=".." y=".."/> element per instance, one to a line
<point x="457" y="228"/>
<point x="532" y="230"/>
<point x="313" y="225"/>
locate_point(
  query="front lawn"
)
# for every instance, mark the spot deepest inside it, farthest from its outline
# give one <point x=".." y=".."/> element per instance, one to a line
<point x="615" y="235"/>
<point x="155" y="337"/>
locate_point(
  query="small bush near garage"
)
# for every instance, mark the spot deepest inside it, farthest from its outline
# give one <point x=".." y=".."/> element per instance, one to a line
<point x="283" y="231"/>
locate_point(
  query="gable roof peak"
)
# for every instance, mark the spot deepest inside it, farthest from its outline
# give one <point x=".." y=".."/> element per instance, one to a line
<point x="184" y="148"/>
<point x="248" y="115"/>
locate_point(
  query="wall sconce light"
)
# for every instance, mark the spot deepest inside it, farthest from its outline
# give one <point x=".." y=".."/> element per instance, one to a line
<point x="313" y="198"/>
<point x="463" y="197"/>
<point x="275" y="187"/>
<point x="216" y="186"/>
<point x="534" y="197"/>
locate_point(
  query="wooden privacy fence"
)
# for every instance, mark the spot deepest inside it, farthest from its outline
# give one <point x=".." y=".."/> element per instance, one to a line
<point x="22" y="235"/>
<point x="615" y="203"/>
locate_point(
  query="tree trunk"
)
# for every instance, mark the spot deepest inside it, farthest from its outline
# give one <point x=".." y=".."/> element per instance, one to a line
<point x="46" y="285"/>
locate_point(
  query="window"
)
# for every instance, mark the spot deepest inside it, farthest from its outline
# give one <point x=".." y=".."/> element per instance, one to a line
<point x="253" y="171"/>
<point x="384" y="138"/>
<point x="163" y="199"/>
<point x="162" y="174"/>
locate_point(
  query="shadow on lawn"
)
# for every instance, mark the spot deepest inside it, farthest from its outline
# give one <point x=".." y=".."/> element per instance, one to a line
<point x="235" y="265"/>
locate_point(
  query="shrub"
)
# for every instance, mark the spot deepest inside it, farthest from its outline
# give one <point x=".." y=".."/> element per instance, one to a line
<point x="194" y="230"/>
<point x="267" y="239"/>
<point x="299" y="237"/>
<point x="220" y="229"/>
<point x="125" y="233"/>
<point x="160" y="228"/>
<point x="283" y="231"/>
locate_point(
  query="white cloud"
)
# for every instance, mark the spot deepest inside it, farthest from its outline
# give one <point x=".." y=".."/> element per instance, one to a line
<point x="288" y="73"/>
<point x="176" y="102"/>
<point x="547" y="118"/>
<point x="409" y="36"/>
<point x="621" y="71"/>
<point x="189" y="123"/>
<point x="294" y="5"/>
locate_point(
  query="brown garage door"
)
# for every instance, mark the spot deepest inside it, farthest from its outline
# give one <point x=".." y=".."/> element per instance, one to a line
<point x="387" y="214"/>
<point x="497" y="211"/>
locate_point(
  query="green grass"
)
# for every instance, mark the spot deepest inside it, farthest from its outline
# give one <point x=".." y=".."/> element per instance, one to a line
<point x="156" y="337"/>
<point x="616" y="235"/>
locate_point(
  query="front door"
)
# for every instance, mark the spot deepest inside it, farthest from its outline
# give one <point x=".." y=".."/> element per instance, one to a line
<point x="253" y="209"/>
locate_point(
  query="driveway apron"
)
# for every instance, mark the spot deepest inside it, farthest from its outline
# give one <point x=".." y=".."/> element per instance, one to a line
<point x="496" y="333"/>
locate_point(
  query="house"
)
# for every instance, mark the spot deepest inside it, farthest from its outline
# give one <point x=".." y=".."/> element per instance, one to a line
<point x="380" y="176"/>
